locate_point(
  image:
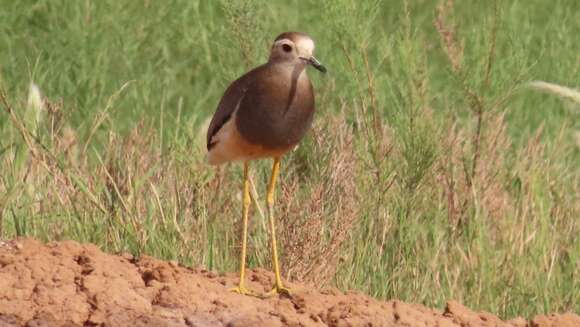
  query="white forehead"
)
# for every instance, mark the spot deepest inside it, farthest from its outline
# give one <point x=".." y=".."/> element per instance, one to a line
<point x="304" y="44"/>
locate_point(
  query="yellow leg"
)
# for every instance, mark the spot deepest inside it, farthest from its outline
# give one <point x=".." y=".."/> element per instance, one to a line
<point x="246" y="207"/>
<point x="278" y="286"/>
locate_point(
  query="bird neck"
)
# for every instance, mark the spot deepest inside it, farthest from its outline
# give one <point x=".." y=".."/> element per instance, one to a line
<point x="295" y="69"/>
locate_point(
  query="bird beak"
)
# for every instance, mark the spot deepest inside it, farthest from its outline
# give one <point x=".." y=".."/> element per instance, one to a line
<point x="315" y="63"/>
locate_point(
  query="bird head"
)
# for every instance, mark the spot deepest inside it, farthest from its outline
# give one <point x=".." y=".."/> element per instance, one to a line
<point x="294" y="47"/>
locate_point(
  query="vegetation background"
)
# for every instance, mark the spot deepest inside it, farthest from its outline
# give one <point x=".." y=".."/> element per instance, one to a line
<point x="434" y="169"/>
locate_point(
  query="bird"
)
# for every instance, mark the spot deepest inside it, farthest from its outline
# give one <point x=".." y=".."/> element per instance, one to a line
<point x="264" y="114"/>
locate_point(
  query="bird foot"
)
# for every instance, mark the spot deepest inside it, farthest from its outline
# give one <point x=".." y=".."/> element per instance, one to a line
<point x="278" y="289"/>
<point x="243" y="291"/>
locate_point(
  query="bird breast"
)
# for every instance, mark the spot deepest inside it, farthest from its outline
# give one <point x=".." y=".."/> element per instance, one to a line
<point x="277" y="108"/>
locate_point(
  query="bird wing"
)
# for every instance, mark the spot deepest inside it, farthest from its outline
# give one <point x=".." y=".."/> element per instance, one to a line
<point x="226" y="107"/>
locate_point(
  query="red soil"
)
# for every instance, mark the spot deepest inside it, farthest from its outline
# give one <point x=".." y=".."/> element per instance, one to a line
<point x="72" y="284"/>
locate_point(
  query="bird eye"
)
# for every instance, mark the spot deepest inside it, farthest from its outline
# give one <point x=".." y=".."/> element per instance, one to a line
<point x="286" y="47"/>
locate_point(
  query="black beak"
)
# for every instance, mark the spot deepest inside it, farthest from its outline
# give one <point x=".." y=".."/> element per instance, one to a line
<point x="315" y="63"/>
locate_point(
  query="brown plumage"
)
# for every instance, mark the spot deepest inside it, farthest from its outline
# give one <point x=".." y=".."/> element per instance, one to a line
<point x="262" y="114"/>
<point x="270" y="107"/>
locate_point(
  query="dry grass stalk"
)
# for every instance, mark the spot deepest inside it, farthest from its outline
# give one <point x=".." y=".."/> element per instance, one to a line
<point x="486" y="185"/>
<point x="559" y="90"/>
<point x="448" y="33"/>
<point x="314" y="230"/>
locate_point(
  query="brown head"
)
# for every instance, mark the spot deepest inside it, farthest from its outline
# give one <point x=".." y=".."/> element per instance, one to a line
<point x="295" y="48"/>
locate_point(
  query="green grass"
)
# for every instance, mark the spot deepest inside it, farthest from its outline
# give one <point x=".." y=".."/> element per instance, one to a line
<point x="432" y="171"/>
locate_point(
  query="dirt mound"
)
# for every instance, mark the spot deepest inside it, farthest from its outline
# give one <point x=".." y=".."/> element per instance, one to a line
<point x="70" y="284"/>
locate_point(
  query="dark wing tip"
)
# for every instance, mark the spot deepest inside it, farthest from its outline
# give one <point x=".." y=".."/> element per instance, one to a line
<point x="210" y="145"/>
<point x="214" y="128"/>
